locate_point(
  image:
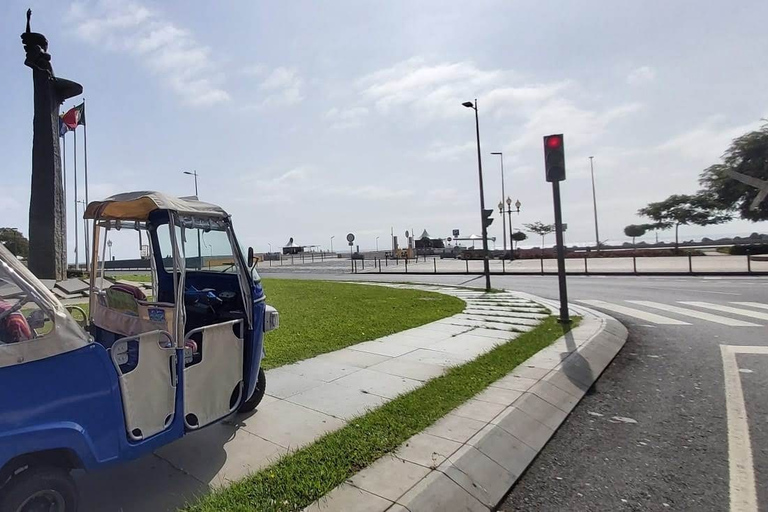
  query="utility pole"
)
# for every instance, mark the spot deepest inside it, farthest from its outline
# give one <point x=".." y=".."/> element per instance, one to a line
<point x="594" y="202"/>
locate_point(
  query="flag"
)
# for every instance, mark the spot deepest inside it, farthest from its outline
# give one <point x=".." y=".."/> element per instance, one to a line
<point x="63" y="128"/>
<point x="74" y="116"/>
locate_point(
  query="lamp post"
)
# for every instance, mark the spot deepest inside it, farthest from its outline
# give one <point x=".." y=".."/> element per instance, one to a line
<point x="486" y="267"/>
<point x="518" y="204"/>
<point x="199" y="249"/>
<point x="270" y="247"/>
<point x="377" y="243"/>
<point x="503" y="193"/>
<point x="334" y="236"/>
<point x="85" y="234"/>
<point x="109" y="244"/>
<point x="594" y="201"/>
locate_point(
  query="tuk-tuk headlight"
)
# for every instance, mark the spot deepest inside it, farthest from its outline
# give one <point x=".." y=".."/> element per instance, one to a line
<point x="271" y="319"/>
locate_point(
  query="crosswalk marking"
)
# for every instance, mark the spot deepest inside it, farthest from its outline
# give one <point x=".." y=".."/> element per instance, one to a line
<point x="728" y="309"/>
<point x="751" y="304"/>
<point x="693" y="313"/>
<point x="642" y="315"/>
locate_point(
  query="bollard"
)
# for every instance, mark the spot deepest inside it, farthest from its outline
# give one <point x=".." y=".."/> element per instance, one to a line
<point x="634" y="263"/>
<point x="386" y="262"/>
<point x="690" y="263"/>
<point x="363" y="260"/>
<point x="541" y="260"/>
<point x="270" y="262"/>
<point x="313" y="256"/>
<point x="434" y="264"/>
<point x="749" y="263"/>
<point x="379" y="265"/>
<point x="352" y="265"/>
<point x="467" y="263"/>
<point x="281" y="260"/>
<point x="586" y="266"/>
<point x="406" y="264"/>
<point x="503" y="265"/>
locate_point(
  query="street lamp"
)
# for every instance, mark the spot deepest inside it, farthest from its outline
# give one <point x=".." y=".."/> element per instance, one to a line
<point x="518" y="204"/>
<point x="334" y="236"/>
<point x="594" y="201"/>
<point x="199" y="249"/>
<point x="109" y="244"/>
<point x="503" y="220"/>
<point x="85" y="234"/>
<point x="486" y="267"/>
<point x="377" y="243"/>
<point x="270" y="247"/>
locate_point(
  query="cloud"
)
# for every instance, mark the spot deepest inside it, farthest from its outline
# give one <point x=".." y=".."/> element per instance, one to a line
<point x="370" y="192"/>
<point x="443" y="152"/>
<point x="346" y="117"/>
<point x="170" y="52"/>
<point x="641" y="75"/>
<point x="282" y="87"/>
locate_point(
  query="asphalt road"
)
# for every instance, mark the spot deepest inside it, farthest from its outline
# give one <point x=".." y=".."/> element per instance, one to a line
<point x="653" y="433"/>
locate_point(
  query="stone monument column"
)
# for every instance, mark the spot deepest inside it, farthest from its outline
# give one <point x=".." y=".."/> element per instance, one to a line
<point x="47" y="219"/>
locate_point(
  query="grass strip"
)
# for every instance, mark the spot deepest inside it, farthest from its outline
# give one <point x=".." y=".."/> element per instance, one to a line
<point x="300" y="478"/>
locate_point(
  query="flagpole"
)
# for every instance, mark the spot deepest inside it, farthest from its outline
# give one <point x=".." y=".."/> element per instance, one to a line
<point x="64" y="173"/>
<point x="85" y="161"/>
<point x="77" y="236"/>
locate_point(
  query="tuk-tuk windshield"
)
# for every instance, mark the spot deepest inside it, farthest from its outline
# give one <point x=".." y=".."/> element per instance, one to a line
<point x="207" y="250"/>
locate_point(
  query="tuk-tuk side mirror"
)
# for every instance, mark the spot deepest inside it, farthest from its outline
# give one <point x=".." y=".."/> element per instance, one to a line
<point x="251" y="258"/>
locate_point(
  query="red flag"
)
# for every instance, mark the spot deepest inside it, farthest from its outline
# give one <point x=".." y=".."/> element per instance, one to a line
<point x="74" y="116"/>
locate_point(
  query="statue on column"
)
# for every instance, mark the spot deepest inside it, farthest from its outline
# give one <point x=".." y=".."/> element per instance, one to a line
<point x="47" y="219"/>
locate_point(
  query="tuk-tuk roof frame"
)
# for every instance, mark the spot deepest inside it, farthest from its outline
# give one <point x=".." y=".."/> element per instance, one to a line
<point x="137" y="206"/>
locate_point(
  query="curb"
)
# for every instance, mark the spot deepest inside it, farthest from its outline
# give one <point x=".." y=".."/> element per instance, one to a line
<point x="468" y="460"/>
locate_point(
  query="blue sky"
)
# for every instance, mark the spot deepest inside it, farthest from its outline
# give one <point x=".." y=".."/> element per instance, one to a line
<point x="314" y="119"/>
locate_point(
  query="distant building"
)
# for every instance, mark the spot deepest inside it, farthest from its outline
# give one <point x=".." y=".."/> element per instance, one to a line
<point x="292" y="248"/>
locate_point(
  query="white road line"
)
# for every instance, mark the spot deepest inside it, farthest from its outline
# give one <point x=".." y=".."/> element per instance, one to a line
<point x="695" y="314"/>
<point x="752" y="304"/>
<point x="636" y="313"/>
<point x="728" y="309"/>
<point x="740" y="465"/>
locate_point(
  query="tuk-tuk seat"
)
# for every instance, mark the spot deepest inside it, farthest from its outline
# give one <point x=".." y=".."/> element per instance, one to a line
<point x="149" y="388"/>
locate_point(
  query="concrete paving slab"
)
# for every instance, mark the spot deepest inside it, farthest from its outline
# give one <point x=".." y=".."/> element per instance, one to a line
<point x="288" y="425"/>
<point x="478" y="474"/>
<point x="351" y="357"/>
<point x="439" y="492"/>
<point x="411" y="369"/>
<point x="71" y="286"/>
<point x="410" y="340"/>
<point x="377" y="383"/>
<point x="455" y="428"/>
<point x="540" y="410"/>
<point x="514" y="383"/>
<point x="465" y="345"/>
<point x="325" y="371"/>
<point x="477" y="410"/>
<point x="533" y="433"/>
<point x="493" y="333"/>
<point x="500" y="396"/>
<point x="435" y="357"/>
<point x="349" y="498"/>
<point x="383" y="349"/>
<point x="435" y="331"/>
<point x="513" y="322"/>
<point x="562" y="381"/>
<point x="529" y="372"/>
<point x="427" y="450"/>
<point x="389" y="477"/>
<point x="503" y="448"/>
<point x="220" y="454"/>
<point x="283" y="384"/>
<point x="163" y="487"/>
<point x="337" y="400"/>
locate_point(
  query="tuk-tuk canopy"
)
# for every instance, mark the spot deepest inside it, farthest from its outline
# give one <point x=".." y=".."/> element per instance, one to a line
<point x="138" y="206"/>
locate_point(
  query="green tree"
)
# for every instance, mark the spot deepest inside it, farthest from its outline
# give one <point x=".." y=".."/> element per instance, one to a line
<point x="681" y="209"/>
<point x="15" y="242"/>
<point x="634" y="230"/>
<point x="747" y="155"/>
<point x="540" y="229"/>
<point x="518" y="236"/>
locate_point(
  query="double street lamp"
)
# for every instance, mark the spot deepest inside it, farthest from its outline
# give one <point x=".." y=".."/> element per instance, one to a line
<point x="486" y="267"/>
<point x="503" y="220"/>
<point x="518" y="204"/>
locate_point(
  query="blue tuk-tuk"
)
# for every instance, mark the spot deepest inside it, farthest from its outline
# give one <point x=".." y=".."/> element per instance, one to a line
<point x="137" y="370"/>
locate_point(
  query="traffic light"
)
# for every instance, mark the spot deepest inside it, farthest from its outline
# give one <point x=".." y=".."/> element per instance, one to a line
<point x="487" y="218"/>
<point x="554" y="157"/>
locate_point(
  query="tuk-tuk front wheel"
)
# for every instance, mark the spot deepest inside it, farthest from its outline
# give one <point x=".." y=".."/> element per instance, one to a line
<point x="43" y="488"/>
<point x="258" y="394"/>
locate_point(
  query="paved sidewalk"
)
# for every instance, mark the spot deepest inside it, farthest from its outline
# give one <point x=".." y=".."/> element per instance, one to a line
<point x="308" y="399"/>
<point x="469" y="459"/>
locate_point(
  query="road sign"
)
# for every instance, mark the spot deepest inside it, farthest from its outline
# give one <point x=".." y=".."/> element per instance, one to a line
<point x="455" y="232"/>
<point x="350" y="238"/>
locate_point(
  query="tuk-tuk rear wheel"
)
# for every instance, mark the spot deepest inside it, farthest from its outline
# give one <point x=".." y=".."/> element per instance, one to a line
<point x="258" y="394"/>
<point x="43" y="488"/>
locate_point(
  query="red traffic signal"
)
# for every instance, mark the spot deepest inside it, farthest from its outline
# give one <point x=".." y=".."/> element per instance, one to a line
<point x="554" y="157"/>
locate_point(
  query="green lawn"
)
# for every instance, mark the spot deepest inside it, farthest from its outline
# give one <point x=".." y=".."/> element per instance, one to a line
<point x="300" y="478"/>
<point x="322" y="316"/>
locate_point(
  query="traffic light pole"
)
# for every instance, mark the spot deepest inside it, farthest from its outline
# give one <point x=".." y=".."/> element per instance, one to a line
<point x="564" y="316"/>
<point x="486" y="266"/>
